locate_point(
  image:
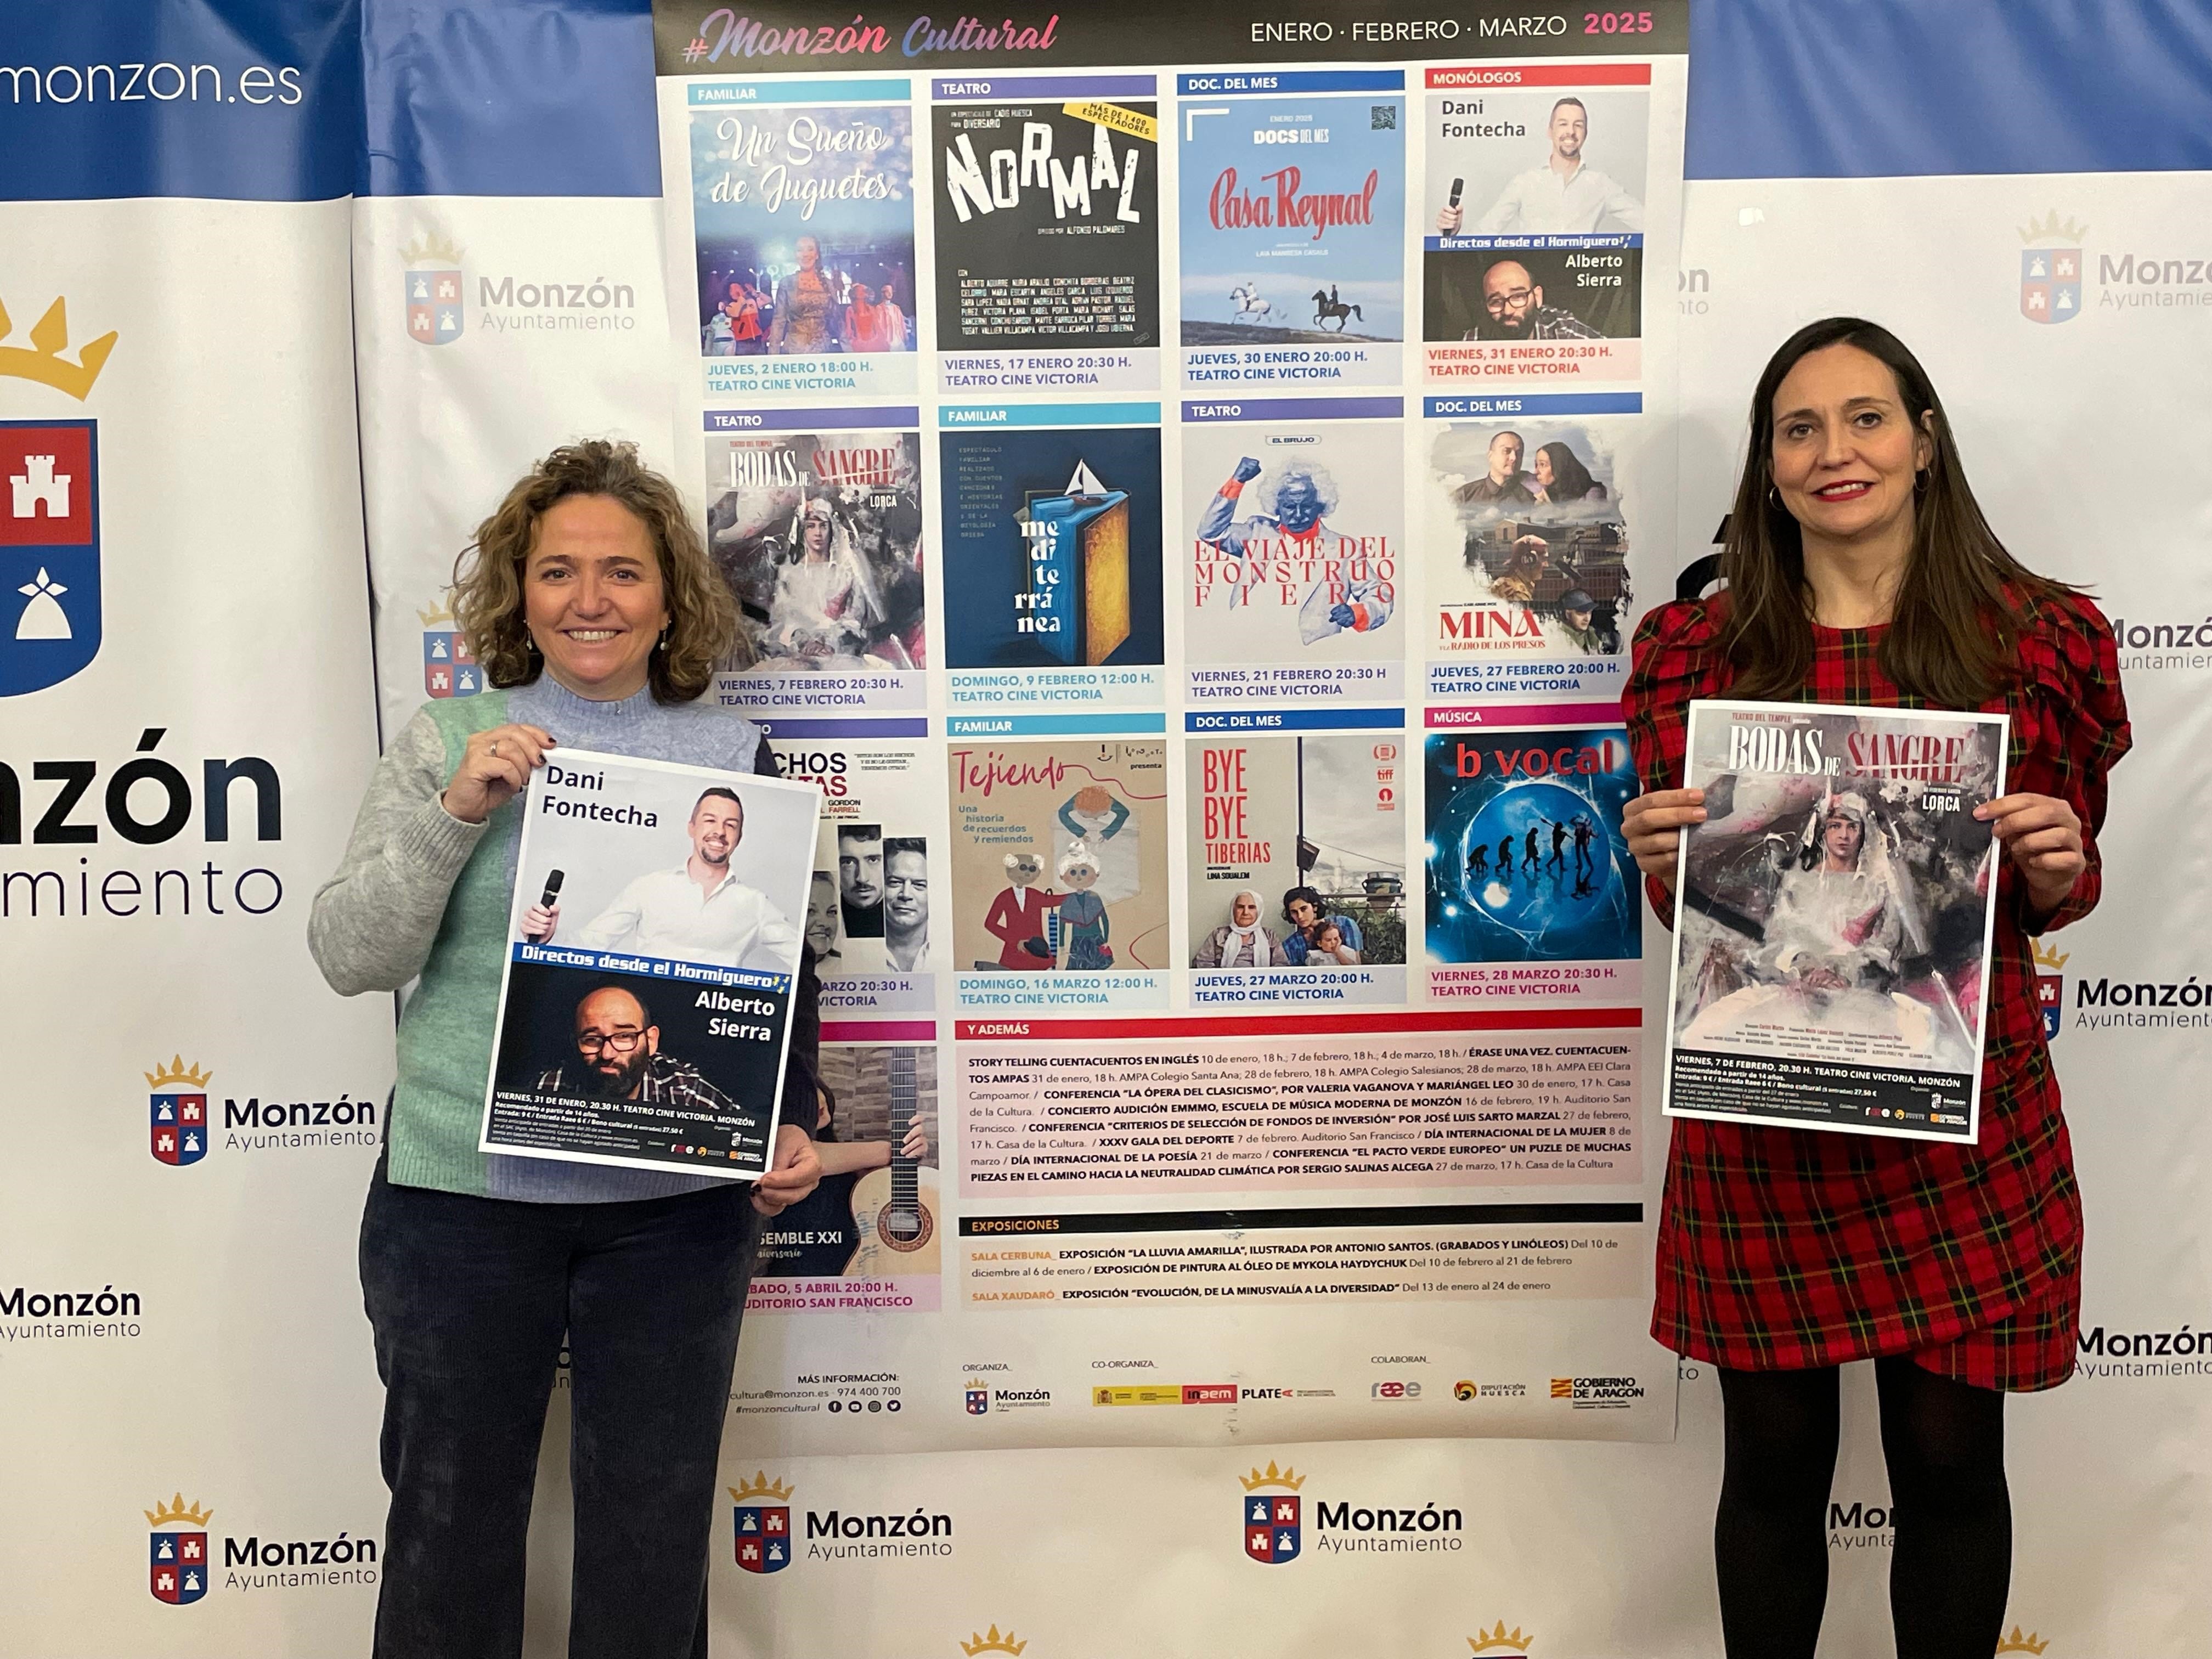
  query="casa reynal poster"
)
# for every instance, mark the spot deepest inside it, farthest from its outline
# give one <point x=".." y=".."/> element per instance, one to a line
<point x="654" y="944"/>
<point x="1832" y="918"/>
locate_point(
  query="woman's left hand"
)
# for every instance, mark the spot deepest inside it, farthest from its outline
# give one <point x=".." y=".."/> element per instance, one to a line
<point x="795" y="1172"/>
<point x="2043" y="836"/>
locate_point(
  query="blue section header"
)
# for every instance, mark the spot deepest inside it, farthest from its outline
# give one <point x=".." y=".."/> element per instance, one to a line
<point x="1903" y="88"/>
<point x="489" y="97"/>
<point x="1300" y="719"/>
<point x="1237" y="82"/>
<point x="1050" y="86"/>
<point x="247" y="101"/>
<point x="950" y="416"/>
<point x="1554" y="403"/>
<point x="809" y="420"/>
<point x="809" y="729"/>
<point x="871" y="91"/>
<point x="615" y="962"/>
<point x="1214" y="409"/>
<point x="1052" y="726"/>
<point x="1532" y="243"/>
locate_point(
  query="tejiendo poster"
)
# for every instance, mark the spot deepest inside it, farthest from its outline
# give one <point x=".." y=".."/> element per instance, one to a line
<point x="1060" y="862"/>
<point x="1832" y="918"/>
<point x="818" y="532"/>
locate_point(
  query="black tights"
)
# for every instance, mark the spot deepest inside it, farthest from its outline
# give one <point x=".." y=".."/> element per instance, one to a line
<point x="1952" y="1563"/>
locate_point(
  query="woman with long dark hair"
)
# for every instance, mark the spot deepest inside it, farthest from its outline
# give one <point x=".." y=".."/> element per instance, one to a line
<point x="1562" y="478"/>
<point x="1860" y="570"/>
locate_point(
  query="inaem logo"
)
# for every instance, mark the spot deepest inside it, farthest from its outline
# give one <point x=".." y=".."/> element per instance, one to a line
<point x="179" y="1575"/>
<point x="2050" y="269"/>
<point x="448" y="668"/>
<point x="763" y="1530"/>
<point x="1272" y="1525"/>
<point x="2049" y="985"/>
<point x="2016" y="1643"/>
<point x="991" y="1642"/>
<point x="179" y="1109"/>
<point x="1500" y="1640"/>
<point x="435" y="311"/>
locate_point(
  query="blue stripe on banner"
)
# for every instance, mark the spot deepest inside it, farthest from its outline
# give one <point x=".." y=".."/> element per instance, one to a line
<point x="808" y="730"/>
<point x="618" y="961"/>
<point x="1238" y="81"/>
<point x="1299" y="719"/>
<point x="1052" y="726"/>
<point x="953" y="416"/>
<point x="1292" y="409"/>
<point x="866" y="90"/>
<point x="1909" y="88"/>
<point x="1554" y="403"/>
<point x="810" y="420"/>
<point x="490" y="98"/>
<point x="244" y="100"/>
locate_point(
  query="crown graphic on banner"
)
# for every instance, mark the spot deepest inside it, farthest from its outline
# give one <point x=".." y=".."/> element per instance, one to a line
<point x="2050" y="228"/>
<point x="433" y="249"/>
<point x="436" y="614"/>
<point x="1290" y="1479"/>
<point x="42" y="361"/>
<point x="1499" y="1640"/>
<point x="2016" y="1643"/>
<point x="2049" y="957"/>
<point x="178" y="1072"/>
<point x="760" y="1486"/>
<point x="176" y="1510"/>
<point x="992" y="1642"/>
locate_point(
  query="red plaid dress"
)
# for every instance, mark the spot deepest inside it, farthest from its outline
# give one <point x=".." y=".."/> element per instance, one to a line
<point x="1783" y="1248"/>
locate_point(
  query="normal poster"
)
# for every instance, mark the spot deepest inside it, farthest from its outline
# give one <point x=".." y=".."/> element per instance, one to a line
<point x="645" y="1004"/>
<point x="1833" y="917"/>
<point x="1134" y="830"/>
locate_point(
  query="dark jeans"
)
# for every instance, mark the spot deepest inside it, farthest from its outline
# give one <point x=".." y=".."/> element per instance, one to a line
<point x="469" y="1299"/>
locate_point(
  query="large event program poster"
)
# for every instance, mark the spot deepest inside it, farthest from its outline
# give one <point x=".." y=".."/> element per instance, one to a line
<point x="1168" y="1104"/>
<point x="646" y="1006"/>
<point x="1833" y="917"/>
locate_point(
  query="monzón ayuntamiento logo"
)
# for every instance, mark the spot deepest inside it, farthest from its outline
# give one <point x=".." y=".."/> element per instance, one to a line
<point x="179" y="1571"/>
<point x="179" y="1109"/>
<point x="2050" y="269"/>
<point x="49" y="514"/>
<point x="436" y="309"/>
<point x="1272" y="1515"/>
<point x="763" y="1529"/>
<point x="449" y="670"/>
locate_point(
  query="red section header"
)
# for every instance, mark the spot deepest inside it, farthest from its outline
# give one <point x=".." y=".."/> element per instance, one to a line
<point x="1473" y="77"/>
<point x="879" y="1030"/>
<point x="1272" y="1025"/>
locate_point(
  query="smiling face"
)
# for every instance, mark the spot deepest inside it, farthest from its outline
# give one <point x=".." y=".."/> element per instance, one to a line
<point x="810" y="254"/>
<point x="593" y="596"/>
<point x="1570" y="126"/>
<point x="717" y="825"/>
<point x="1845" y="450"/>
<point x="822" y="913"/>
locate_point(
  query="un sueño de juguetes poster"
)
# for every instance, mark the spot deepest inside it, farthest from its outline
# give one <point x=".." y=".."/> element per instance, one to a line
<point x="1832" y="918"/>
<point x="654" y="947"/>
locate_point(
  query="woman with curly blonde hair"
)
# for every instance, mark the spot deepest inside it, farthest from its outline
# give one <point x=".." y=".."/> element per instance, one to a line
<point x="590" y="601"/>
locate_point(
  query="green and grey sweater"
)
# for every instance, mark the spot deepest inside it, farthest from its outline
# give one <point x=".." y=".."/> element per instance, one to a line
<point x="420" y="895"/>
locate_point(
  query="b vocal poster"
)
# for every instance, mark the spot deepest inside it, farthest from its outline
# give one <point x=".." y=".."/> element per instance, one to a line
<point x="654" y="944"/>
<point x="1833" y="917"/>
<point x="1292" y="257"/>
